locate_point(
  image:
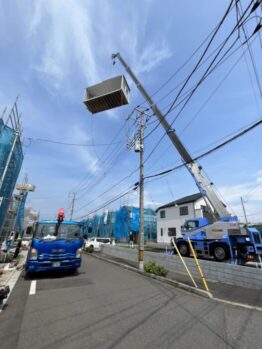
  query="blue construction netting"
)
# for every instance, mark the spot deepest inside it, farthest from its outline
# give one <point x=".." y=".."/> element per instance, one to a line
<point x="121" y="224"/>
<point x="20" y="218"/>
<point x="7" y="138"/>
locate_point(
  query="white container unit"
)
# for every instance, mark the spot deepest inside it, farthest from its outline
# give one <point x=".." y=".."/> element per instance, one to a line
<point x="108" y="94"/>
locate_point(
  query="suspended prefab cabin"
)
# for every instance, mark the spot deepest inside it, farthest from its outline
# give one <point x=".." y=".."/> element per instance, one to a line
<point x="111" y="93"/>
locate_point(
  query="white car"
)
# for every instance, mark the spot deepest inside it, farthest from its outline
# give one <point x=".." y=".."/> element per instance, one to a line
<point x="94" y="243"/>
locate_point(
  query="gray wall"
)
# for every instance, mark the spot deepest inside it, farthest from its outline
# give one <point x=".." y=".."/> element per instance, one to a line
<point x="213" y="271"/>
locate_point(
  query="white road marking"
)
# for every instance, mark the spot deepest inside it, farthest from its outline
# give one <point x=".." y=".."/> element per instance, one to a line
<point x="241" y="305"/>
<point x="33" y="287"/>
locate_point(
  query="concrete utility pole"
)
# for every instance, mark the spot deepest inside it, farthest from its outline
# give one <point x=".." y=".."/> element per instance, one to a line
<point x="140" y="148"/>
<point x="73" y="206"/>
<point x="244" y="210"/>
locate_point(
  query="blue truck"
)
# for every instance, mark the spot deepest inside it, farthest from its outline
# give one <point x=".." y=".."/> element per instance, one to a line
<point x="222" y="239"/>
<point x="56" y="245"/>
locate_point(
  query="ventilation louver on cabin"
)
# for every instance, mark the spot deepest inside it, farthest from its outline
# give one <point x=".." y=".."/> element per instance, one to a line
<point x="111" y="93"/>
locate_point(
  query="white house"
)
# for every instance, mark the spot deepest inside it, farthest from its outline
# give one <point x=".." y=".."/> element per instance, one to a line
<point x="171" y="216"/>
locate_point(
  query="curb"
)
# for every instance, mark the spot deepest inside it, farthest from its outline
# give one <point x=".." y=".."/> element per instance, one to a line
<point x="185" y="287"/>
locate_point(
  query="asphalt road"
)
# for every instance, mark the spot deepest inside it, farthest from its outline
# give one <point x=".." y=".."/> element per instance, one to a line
<point x="104" y="306"/>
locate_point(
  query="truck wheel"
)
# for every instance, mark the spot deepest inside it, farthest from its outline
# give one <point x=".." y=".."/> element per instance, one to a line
<point x="220" y="253"/>
<point x="183" y="249"/>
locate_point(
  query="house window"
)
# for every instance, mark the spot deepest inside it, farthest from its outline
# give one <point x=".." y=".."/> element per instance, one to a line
<point x="183" y="210"/>
<point x="161" y="231"/>
<point x="171" y="231"/>
<point x="163" y="214"/>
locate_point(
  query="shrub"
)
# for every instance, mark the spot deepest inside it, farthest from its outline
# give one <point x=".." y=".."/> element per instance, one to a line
<point x="89" y="249"/>
<point x="153" y="268"/>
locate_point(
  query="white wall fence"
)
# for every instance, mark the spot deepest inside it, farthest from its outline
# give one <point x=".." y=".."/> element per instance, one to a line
<point x="213" y="271"/>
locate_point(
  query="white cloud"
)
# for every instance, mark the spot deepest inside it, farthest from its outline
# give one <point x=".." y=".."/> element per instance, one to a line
<point x="79" y="36"/>
<point x="251" y="192"/>
<point x="152" y="56"/>
<point x="83" y="155"/>
<point x="67" y="40"/>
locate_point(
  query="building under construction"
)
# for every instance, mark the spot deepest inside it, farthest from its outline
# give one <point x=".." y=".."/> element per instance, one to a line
<point x="122" y="224"/>
<point x="11" y="158"/>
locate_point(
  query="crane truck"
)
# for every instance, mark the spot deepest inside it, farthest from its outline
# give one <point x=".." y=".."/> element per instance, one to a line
<point x="221" y="236"/>
<point x="56" y="245"/>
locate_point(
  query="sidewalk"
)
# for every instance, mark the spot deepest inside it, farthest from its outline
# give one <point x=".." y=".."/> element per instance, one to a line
<point x="230" y="293"/>
<point x="10" y="272"/>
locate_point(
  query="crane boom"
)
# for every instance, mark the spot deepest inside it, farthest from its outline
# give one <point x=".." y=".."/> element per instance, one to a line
<point x="204" y="185"/>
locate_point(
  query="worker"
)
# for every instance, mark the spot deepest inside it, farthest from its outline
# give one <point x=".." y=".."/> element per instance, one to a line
<point x="131" y="240"/>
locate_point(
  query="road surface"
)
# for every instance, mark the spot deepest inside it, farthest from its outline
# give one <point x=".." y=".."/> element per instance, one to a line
<point x="105" y="306"/>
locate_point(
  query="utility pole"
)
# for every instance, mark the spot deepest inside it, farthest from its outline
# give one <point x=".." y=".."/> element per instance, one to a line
<point x="139" y="147"/>
<point x="73" y="205"/>
<point x="204" y="185"/>
<point x="244" y="210"/>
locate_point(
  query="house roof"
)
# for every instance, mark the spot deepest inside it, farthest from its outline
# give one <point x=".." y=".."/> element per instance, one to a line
<point x="184" y="200"/>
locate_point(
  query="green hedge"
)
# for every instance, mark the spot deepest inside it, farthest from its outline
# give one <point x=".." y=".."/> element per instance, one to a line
<point x="153" y="268"/>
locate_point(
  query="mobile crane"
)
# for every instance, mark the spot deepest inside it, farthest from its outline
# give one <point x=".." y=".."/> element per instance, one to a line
<point x="221" y="237"/>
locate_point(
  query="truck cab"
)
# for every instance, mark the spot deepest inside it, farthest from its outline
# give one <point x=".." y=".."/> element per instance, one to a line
<point x="55" y="246"/>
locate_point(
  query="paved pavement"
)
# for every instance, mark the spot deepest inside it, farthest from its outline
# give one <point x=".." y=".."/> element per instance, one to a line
<point x="231" y="293"/>
<point x="105" y="306"/>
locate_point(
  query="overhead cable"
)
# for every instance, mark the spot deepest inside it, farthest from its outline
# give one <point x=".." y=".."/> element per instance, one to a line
<point x="259" y="122"/>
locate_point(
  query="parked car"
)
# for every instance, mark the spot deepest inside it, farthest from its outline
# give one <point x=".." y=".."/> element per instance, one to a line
<point x="95" y="242"/>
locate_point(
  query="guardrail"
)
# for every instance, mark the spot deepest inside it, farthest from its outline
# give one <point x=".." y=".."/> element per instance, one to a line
<point x="219" y="272"/>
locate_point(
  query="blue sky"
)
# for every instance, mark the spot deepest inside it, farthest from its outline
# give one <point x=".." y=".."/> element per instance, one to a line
<point x="52" y="49"/>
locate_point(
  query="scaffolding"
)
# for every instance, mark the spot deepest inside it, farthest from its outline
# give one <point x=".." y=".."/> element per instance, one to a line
<point x="121" y="224"/>
<point x="11" y="158"/>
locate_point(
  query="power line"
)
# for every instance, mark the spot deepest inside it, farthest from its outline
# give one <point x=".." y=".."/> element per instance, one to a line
<point x="70" y="144"/>
<point x="188" y="95"/>
<point x="204" y="75"/>
<point x="259" y="122"/>
<point x="184" y="64"/>
<point x="113" y="151"/>
<point x="113" y="161"/>
<point x="152" y="177"/>
<point x="251" y="54"/>
<point x="111" y="187"/>
<point x="208" y="99"/>
<point x="119" y="196"/>
<point x="214" y="91"/>
<point x="199" y="82"/>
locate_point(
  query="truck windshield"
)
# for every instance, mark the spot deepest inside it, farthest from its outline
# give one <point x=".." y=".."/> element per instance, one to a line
<point x="49" y="231"/>
<point x="191" y="225"/>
